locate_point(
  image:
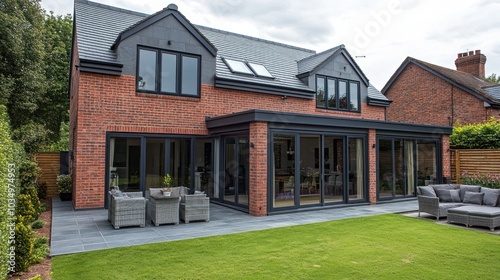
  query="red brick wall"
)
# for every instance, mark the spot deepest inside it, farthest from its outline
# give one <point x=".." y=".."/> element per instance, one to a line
<point x="421" y="97"/>
<point x="372" y="166"/>
<point x="446" y="156"/>
<point x="111" y="104"/>
<point x="258" y="171"/>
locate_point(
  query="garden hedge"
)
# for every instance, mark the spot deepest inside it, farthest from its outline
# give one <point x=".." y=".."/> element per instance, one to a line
<point x="484" y="135"/>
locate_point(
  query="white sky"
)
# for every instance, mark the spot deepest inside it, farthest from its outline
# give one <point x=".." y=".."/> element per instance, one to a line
<point x="385" y="32"/>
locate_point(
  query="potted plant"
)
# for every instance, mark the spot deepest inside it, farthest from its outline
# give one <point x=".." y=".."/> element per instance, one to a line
<point x="64" y="187"/>
<point x="167" y="182"/>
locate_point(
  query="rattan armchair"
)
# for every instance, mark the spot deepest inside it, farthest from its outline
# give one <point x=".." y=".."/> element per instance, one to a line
<point x="195" y="207"/>
<point x="128" y="209"/>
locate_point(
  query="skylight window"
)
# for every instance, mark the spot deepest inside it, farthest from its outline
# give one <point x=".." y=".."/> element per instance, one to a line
<point x="238" y="66"/>
<point x="260" y="70"/>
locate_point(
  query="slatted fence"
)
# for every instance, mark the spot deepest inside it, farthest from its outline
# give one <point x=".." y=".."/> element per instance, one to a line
<point x="50" y="163"/>
<point x="474" y="162"/>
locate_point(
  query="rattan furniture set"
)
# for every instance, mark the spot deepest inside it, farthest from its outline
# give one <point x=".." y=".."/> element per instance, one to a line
<point x="132" y="209"/>
<point x="461" y="204"/>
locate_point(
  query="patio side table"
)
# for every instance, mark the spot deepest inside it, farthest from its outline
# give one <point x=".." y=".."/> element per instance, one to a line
<point x="164" y="209"/>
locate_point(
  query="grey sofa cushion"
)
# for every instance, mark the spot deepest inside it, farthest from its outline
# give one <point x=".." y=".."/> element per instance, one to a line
<point x="468" y="188"/>
<point x="427" y="191"/>
<point x="448" y="195"/>
<point x="490" y="196"/>
<point x="473" y="198"/>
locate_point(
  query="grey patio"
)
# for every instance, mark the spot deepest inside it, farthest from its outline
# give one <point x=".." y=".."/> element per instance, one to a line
<point x="88" y="230"/>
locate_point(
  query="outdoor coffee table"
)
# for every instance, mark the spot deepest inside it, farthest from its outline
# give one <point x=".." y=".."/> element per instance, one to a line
<point x="164" y="209"/>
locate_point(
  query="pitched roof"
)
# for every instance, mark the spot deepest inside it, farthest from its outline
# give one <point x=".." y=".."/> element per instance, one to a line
<point x="100" y="28"/>
<point x="465" y="81"/>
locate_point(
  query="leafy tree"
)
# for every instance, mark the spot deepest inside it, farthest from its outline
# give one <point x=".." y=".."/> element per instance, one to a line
<point x="54" y="106"/>
<point x="476" y="136"/>
<point x="493" y="78"/>
<point x="22" y="77"/>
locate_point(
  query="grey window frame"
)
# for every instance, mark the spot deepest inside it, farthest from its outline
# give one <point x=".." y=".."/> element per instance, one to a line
<point x="337" y="97"/>
<point x="178" y="79"/>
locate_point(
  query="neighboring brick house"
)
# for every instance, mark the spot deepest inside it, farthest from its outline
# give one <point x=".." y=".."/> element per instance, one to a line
<point x="425" y="93"/>
<point x="260" y="126"/>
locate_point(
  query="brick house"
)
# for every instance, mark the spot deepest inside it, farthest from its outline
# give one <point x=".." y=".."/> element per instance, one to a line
<point x="260" y="126"/>
<point x="442" y="96"/>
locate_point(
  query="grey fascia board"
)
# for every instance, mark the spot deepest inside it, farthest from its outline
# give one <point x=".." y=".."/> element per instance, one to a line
<point x="160" y="16"/>
<point x="100" y="67"/>
<point x="379" y="102"/>
<point x="261" y="88"/>
<point x="306" y="119"/>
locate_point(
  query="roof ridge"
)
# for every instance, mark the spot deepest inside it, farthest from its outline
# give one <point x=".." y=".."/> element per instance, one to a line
<point x="323" y="52"/>
<point x="253" y="38"/>
<point x="125" y="11"/>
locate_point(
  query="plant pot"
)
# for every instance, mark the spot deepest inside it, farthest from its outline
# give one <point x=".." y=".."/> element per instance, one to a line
<point x="65" y="196"/>
<point x="167" y="193"/>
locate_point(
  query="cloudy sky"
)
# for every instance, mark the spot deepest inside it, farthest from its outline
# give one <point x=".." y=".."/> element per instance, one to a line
<point x="380" y="33"/>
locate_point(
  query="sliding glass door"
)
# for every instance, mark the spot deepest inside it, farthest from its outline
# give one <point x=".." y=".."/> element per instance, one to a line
<point x="235" y="170"/>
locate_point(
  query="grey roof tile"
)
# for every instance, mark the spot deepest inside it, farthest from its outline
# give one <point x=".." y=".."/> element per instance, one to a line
<point x="494" y="91"/>
<point x="374" y="93"/>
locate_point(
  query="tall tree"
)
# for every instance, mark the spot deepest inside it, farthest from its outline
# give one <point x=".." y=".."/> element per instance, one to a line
<point x="493" y="78"/>
<point x="22" y="77"/>
<point x="54" y="107"/>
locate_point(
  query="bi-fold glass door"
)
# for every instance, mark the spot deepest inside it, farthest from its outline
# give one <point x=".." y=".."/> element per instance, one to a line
<point x="234" y="171"/>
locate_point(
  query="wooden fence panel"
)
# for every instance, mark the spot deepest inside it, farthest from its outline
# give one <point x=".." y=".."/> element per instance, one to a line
<point x="474" y="162"/>
<point x="49" y="162"/>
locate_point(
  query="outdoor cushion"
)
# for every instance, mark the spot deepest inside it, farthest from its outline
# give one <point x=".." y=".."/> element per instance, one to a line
<point x="467" y="188"/>
<point x="473" y="198"/>
<point x="427" y="191"/>
<point x="449" y="205"/>
<point x="117" y="193"/>
<point x="490" y="196"/>
<point x="455" y="195"/>
<point x="476" y="210"/>
<point x="444" y="195"/>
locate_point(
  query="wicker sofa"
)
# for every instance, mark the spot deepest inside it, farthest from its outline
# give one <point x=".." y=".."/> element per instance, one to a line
<point x="465" y="204"/>
<point x="127" y="209"/>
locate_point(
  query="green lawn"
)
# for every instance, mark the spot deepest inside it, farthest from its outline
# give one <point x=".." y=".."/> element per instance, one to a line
<point x="379" y="247"/>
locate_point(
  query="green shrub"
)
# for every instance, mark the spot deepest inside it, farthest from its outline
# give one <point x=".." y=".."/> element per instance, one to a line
<point x="484" y="180"/>
<point x="28" y="173"/>
<point x="24" y="245"/>
<point x="476" y="136"/>
<point x="7" y="155"/>
<point x="42" y="190"/>
<point x="64" y="183"/>
<point x="40" y="249"/>
<point x="35" y="201"/>
<point x="37" y="224"/>
<point x="25" y="208"/>
<point x="43" y="207"/>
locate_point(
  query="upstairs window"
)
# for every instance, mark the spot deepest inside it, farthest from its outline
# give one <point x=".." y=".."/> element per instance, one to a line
<point x="166" y="72"/>
<point x="337" y="94"/>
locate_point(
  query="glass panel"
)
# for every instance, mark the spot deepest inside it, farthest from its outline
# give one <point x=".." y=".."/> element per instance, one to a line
<point x="124" y="163"/>
<point x="180" y="162"/>
<point x="238" y="66"/>
<point x="203" y="165"/>
<point x="243" y="171"/>
<point x="155" y="162"/>
<point x="168" y="72"/>
<point x="426" y="162"/>
<point x="320" y="92"/>
<point x="190" y="81"/>
<point x="356" y="169"/>
<point x="218" y="175"/>
<point x="283" y="170"/>
<point x="333" y="166"/>
<point x="310" y="191"/>
<point x="385" y="174"/>
<point x="399" y="166"/>
<point x="354" y="96"/>
<point x="260" y="70"/>
<point x="410" y="168"/>
<point x="231" y="168"/>
<point x="147" y="70"/>
<point x="332" y="94"/>
<point x="342" y="95"/>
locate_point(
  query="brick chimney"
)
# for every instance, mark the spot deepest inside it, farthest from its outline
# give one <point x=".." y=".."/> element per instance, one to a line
<point x="472" y="63"/>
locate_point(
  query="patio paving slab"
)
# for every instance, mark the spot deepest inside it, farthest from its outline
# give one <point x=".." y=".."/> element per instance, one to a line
<point x="89" y="230"/>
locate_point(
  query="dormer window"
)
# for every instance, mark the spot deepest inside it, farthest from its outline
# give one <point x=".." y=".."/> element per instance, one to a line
<point x="337" y="94"/>
<point x="247" y="68"/>
<point x="165" y="72"/>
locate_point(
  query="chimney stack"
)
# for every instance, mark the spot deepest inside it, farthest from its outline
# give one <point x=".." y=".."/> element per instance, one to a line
<point x="472" y="63"/>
